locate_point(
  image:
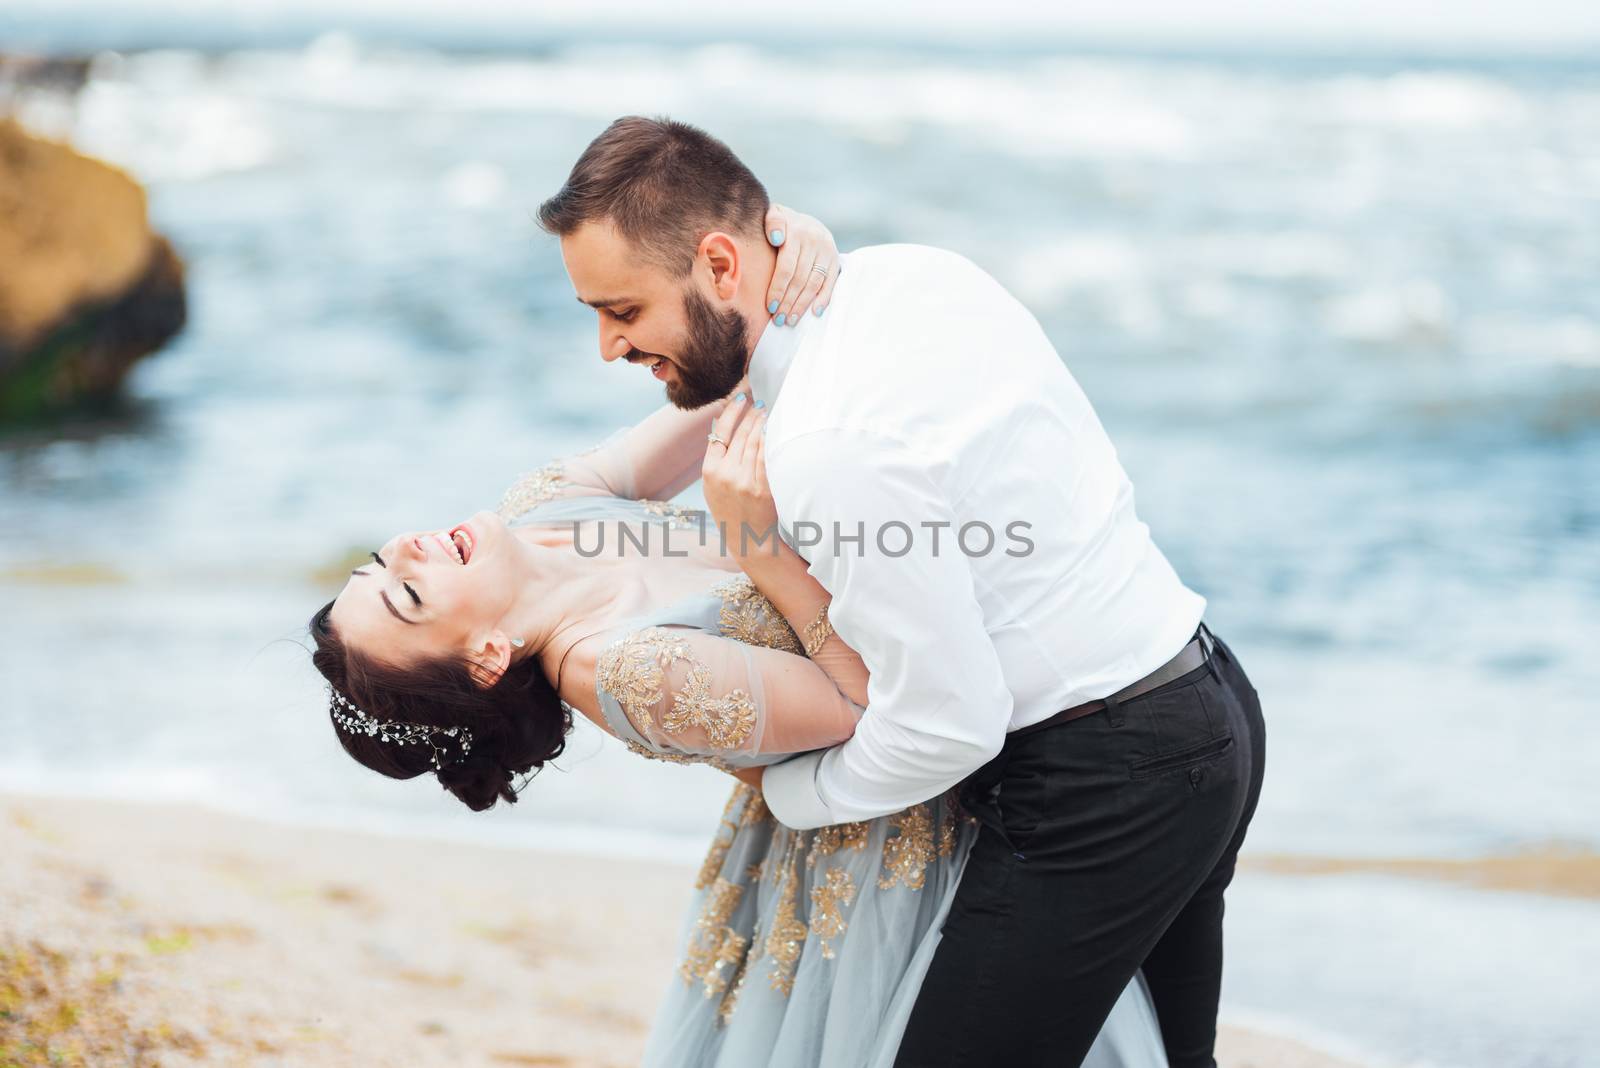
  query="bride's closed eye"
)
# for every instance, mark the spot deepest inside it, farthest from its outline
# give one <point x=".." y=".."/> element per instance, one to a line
<point x="414" y="598"/>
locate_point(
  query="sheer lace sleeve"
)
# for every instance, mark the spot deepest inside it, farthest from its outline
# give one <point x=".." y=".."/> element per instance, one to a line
<point x="656" y="459"/>
<point x="690" y="691"/>
<point x="599" y="471"/>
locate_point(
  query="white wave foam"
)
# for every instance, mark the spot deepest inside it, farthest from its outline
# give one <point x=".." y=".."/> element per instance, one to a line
<point x="166" y="122"/>
<point x="1569" y="339"/>
<point x="1424" y="99"/>
<point x="1416" y="312"/>
<point x="1290" y="254"/>
<point x="475" y="184"/>
<point x="1079" y="107"/>
<point x="1075" y="262"/>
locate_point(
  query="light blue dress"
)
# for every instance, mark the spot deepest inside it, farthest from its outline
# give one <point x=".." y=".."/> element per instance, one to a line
<point x="800" y="949"/>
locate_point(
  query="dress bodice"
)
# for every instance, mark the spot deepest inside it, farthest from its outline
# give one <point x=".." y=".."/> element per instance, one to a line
<point x="673" y="681"/>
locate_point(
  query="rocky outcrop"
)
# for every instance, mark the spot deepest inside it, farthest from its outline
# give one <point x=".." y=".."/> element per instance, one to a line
<point x="86" y="288"/>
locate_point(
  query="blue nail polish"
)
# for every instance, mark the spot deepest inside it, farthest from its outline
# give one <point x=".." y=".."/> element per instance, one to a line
<point x="818" y="309"/>
<point x="738" y="397"/>
<point x="761" y="404"/>
<point x="772" y="308"/>
<point x="776" y="237"/>
<point x="779" y="320"/>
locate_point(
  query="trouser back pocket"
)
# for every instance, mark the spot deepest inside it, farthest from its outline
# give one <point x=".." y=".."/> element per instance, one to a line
<point x="1195" y="755"/>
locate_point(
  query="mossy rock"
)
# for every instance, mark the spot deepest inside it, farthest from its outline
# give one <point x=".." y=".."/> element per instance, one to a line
<point x="86" y="289"/>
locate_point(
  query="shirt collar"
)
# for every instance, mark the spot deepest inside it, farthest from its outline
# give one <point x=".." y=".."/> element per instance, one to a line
<point x="775" y="352"/>
<point x="776" y="349"/>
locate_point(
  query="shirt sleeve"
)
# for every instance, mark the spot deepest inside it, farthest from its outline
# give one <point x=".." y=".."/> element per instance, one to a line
<point x="689" y="691"/>
<point x="937" y="704"/>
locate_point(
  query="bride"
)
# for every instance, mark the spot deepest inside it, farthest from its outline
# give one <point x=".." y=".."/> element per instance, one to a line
<point x="465" y="652"/>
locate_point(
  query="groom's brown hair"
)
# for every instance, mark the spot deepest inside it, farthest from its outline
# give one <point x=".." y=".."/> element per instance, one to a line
<point x="664" y="185"/>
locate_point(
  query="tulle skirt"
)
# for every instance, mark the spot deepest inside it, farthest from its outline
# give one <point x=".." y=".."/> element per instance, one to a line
<point x="805" y="949"/>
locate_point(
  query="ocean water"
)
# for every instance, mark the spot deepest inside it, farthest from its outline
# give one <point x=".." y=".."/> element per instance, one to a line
<point x="1341" y="317"/>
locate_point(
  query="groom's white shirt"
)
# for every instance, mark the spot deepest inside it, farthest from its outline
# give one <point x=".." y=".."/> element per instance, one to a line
<point x="927" y="394"/>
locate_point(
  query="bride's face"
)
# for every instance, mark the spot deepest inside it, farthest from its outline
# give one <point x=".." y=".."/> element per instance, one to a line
<point x="431" y="593"/>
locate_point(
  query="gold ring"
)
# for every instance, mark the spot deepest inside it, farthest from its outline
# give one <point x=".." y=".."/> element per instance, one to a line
<point x="823" y="271"/>
<point x="713" y="439"/>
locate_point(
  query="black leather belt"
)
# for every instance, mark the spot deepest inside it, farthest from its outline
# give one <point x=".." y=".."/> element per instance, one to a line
<point x="1190" y="657"/>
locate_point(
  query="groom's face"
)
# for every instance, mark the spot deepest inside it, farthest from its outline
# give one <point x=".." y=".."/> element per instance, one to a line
<point x="680" y="329"/>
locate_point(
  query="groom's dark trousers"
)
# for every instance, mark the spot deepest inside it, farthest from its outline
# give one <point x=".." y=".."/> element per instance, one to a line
<point x="1106" y="844"/>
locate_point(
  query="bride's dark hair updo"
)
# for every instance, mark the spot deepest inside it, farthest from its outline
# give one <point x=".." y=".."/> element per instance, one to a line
<point x="517" y="724"/>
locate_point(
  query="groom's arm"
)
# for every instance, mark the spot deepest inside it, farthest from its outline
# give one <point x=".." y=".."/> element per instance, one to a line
<point x="937" y="704"/>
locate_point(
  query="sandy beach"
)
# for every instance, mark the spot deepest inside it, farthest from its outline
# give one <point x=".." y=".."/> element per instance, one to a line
<point x="145" y="934"/>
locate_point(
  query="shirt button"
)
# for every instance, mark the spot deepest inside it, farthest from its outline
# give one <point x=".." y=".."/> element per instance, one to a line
<point x="1195" y="775"/>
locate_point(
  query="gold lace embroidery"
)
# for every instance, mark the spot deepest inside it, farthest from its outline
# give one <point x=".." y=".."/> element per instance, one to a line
<point x="954" y="816"/>
<point x="731" y="999"/>
<point x="728" y="721"/>
<point x="675" y="515"/>
<point x="531" y="489"/>
<point x="720" y="959"/>
<point x="756" y="811"/>
<point x="749" y="617"/>
<point x="913" y="843"/>
<point x="632" y="670"/>
<point x="715" y="944"/>
<point x="906" y="854"/>
<point x="678" y="758"/>
<point x="830" y="840"/>
<point x="817" y="632"/>
<point x="947" y="833"/>
<point x="711" y="867"/>
<point x="828" y="899"/>
<point x="788" y="932"/>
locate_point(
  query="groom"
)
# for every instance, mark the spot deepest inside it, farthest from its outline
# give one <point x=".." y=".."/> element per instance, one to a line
<point x="953" y="490"/>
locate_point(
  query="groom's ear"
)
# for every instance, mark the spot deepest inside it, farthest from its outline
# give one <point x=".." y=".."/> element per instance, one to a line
<point x="721" y="254"/>
<point x="490" y="660"/>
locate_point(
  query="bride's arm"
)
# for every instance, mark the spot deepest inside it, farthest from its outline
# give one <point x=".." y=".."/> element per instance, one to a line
<point x="784" y="578"/>
<point x="741" y="502"/>
<point x="662" y="453"/>
<point x="696" y="692"/>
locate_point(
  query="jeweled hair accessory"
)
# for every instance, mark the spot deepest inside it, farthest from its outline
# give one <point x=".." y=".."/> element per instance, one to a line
<point x="399" y="731"/>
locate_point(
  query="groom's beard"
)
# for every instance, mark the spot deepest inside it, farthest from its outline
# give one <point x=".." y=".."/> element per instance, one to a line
<point x="712" y="356"/>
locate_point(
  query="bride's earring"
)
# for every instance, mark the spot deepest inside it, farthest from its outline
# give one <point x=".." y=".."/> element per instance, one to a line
<point x="518" y="642"/>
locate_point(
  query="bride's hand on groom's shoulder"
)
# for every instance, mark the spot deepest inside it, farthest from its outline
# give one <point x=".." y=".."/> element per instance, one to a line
<point x="735" y="478"/>
<point x="803" y="243"/>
